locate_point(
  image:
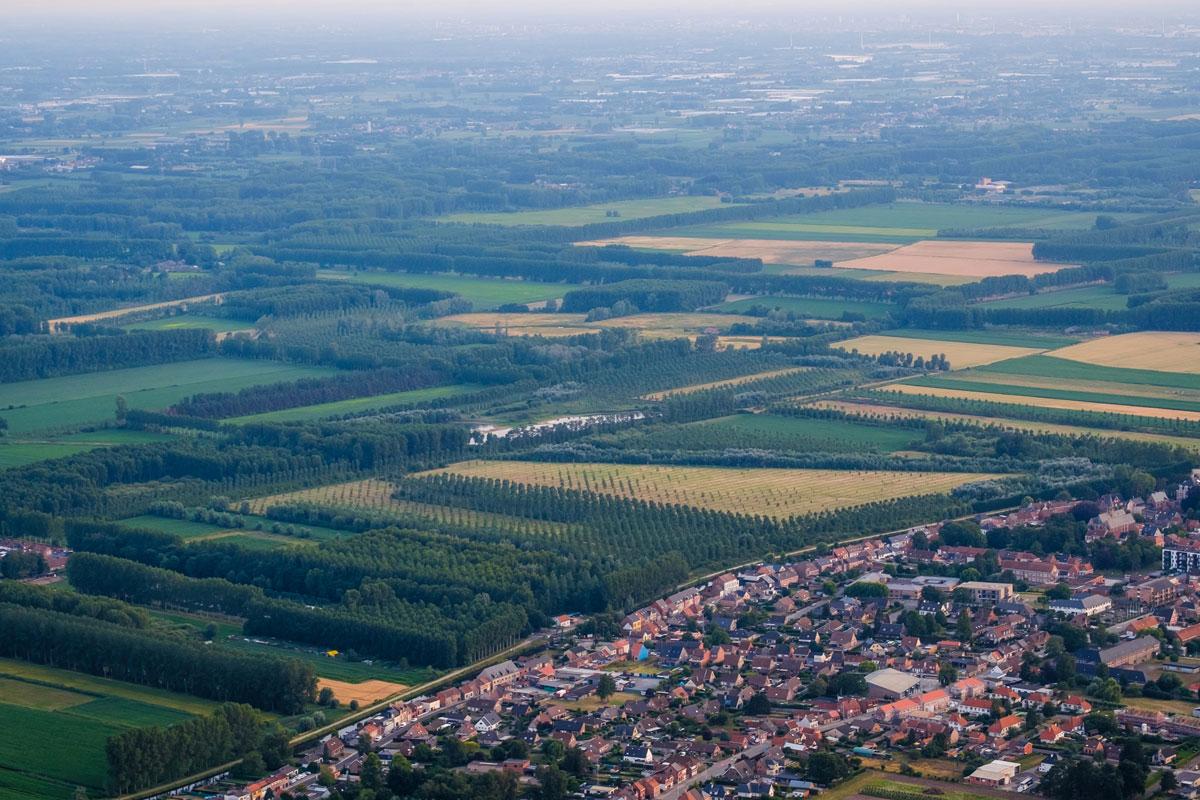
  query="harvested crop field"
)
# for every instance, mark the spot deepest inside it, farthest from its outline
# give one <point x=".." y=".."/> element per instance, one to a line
<point x="878" y="410"/>
<point x="365" y="692"/>
<point x="779" y="493"/>
<point x="771" y="251"/>
<point x="959" y="258"/>
<point x="1048" y="402"/>
<point x="699" y="387"/>
<point x="960" y="354"/>
<point x="1145" y="350"/>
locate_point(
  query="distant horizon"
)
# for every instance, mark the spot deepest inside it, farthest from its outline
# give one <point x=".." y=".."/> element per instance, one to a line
<point x="522" y="10"/>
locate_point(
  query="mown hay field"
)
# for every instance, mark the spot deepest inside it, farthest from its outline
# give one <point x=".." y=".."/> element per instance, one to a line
<point x="958" y="258"/>
<point x="1145" y="350"/>
<point x="778" y="493"/>
<point x="1048" y="402"/>
<point x="960" y="354"/>
<point x="700" y="387"/>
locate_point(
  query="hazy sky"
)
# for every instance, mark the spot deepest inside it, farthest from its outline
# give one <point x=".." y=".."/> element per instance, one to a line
<point x="496" y="9"/>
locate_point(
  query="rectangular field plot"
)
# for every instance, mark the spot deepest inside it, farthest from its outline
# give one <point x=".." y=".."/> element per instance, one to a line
<point x="355" y="405"/>
<point x="899" y="412"/>
<point x="957" y="258"/>
<point x="959" y="354"/>
<point x="56" y="723"/>
<point x="75" y="400"/>
<point x="1011" y="338"/>
<point x="190" y="321"/>
<point x="781" y="433"/>
<point x="1146" y="350"/>
<point x="599" y="212"/>
<point x="1048" y="365"/>
<point x="1046" y="402"/>
<point x="771" y="251"/>
<point x="815" y="307"/>
<point x="483" y="293"/>
<point x="779" y="493"/>
<point x="899" y="223"/>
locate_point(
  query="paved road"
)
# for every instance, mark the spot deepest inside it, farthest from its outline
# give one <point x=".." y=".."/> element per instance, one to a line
<point x="754" y="751"/>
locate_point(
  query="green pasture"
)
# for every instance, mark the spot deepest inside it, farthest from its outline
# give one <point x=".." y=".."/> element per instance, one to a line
<point x="1056" y="394"/>
<point x="354" y="405"/>
<point x="585" y="215"/>
<point x="1014" y="338"/>
<point x="483" y="293"/>
<point x="1047" y="366"/>
<point x="75" y="400"/>
<point x="191" y="321"/>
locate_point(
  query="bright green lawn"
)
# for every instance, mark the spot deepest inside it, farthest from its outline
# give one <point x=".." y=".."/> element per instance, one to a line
<point x="483" y="293"/>
<point x="817" y="307"/>
<point x="584" y="215"/>
<point x="74" y="400"/>
<point x="190" y="321"/>
<point x="357" y="404"/>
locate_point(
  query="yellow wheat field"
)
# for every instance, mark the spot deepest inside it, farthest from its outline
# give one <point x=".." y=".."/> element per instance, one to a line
<point x="699" y="387"/>
<point x="1154" y="350"/>
<point x="365" y="692"/>
<point x="960" y="354"/>
<point x="1047" y="402"/>
<point x="778" y="493"/>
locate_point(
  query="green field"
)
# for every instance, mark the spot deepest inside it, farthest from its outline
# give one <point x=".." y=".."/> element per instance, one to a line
<point x="229" y="634"/>
<point x="248" y="535"/>
<point x="1102" y="296"/>
<point x="483" y="293"/>
<point x="19" y="452"/>
<point x="356" y="404"/>
<point x="778" y="432"/>
<point x="1010" y="338"/>
<point x="188" y="321"/>
<point x="816" y="307"/>
<point x="1047" y="366"/>
<point x="902" y="223"/>
<point x="585" y="215"/>
<point x="56" y="724"/>
<point x="1056" y="394"/>
<point x="74" y="400"/>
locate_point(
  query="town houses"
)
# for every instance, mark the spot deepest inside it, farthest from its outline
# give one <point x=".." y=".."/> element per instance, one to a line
<point x="725" y="689"/>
